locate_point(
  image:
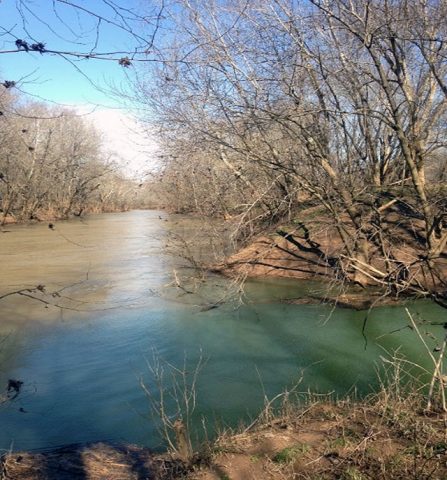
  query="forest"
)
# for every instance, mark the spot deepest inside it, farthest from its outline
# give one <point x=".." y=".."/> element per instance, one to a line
<point x="53" y="164"/>
<point x="320" y="121"/>
<point x="299" y="139"/>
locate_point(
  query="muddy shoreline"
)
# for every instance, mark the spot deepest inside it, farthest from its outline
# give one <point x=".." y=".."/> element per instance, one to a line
<point x="352" y="301"/>
<point x="99" y="460"/>
<point x="322" y="438"/>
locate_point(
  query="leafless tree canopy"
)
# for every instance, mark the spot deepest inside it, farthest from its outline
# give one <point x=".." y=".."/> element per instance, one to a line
<point x="267" y="107"/>
<point x="77" y="29"/>
<point x="52" y="164"/>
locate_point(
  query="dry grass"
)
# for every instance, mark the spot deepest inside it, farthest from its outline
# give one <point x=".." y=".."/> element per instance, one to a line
<point x="389" y="435"/>
<point x="379" y="438"/>
<point x="99" y="461"/>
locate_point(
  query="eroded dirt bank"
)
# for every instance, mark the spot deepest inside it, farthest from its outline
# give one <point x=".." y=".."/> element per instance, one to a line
<point x="386" y="437"/>
<point x="311" y="250"/>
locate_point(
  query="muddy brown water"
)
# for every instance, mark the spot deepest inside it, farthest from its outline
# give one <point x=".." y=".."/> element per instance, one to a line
<point x="82" y="345"/>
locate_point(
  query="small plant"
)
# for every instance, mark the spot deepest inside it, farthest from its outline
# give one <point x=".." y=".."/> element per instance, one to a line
<point x="172" y="400"/>
<point x="255" y="458"/>
<point x="440" y="448"/>
<point x="352" y="473"/>
<point x="289" y="454"/>
<point x="397" y="461"/>
<point x="336" y="443"/>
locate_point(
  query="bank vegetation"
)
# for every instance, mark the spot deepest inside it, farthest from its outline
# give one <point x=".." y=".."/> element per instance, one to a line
<point x="54" y="164"/>
<point x="321" y="123"/>
<point x="298" y="435"/>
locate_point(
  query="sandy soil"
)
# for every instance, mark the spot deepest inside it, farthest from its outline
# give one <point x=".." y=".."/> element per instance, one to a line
<point x="309" y="253"/>
<point x="349" y="441"/>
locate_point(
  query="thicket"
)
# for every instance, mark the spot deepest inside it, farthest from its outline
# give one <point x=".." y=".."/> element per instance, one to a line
<point x="53" y="164"/>
<point x="270" y="107"/>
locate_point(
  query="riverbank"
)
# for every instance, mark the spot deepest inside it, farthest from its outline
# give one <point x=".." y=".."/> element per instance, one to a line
<point x="386" y="436"/>
<point x="312" y="250"/>
<point x="360" y="300"/>
<point x="51" y="216"/>
<point x="273" y="255"/>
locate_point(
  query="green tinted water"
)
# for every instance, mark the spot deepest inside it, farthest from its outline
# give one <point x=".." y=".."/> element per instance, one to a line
<point x="81" y="365"/>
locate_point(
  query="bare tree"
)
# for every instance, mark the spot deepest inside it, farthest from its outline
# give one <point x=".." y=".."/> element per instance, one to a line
<point x="81" y="25"/>
<point x="340" y="105"/>
<point x="52" y="164"/>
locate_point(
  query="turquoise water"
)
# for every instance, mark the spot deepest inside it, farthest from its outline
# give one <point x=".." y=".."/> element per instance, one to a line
<point x="82" y="365"/>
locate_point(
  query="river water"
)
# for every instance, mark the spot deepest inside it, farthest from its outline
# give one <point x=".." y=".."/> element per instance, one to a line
<point x="83" y="345"/>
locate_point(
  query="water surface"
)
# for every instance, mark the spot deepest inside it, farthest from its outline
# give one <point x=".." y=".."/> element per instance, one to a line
<point x="111" y="276"/>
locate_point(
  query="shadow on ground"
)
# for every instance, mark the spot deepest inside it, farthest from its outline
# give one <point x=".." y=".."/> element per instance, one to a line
<point x="90" y="462"/>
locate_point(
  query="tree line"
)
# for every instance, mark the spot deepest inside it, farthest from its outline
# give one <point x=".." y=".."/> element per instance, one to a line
<point x="268" y="108"/>
<point x="53" y="164"/>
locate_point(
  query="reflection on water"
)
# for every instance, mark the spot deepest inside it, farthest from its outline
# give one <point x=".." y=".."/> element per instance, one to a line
<point x="81" y="365"/>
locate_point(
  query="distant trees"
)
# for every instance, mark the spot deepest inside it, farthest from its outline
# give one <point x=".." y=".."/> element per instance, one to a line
<point x="268" y="107"/>
<point x="52" y="164"/>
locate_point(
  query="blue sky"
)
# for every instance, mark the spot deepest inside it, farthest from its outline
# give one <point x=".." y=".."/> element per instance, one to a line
<point x="50" y="77"/>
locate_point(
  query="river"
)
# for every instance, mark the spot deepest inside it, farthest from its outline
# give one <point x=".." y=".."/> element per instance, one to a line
<point x="82" y="346"/>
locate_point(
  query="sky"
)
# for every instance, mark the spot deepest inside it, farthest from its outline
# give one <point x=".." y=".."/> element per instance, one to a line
<point x="85" y="84"/>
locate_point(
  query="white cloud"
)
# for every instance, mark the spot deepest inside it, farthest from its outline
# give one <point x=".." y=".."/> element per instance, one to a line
<point x="131" y="146"/>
